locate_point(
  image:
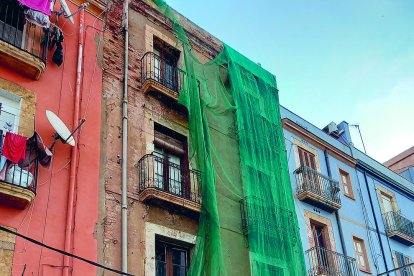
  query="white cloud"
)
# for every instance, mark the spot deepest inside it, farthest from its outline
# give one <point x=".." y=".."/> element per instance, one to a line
<point x="387" y="123"/>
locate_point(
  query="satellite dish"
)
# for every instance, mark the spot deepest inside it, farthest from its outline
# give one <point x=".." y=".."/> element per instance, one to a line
<point x="62" y="131"/>
<point x="68" y="13"/>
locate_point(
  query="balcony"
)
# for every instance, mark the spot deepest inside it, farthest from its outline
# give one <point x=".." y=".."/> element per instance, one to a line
<point x="322" y="261"/>
<point x="169" y="185"/>
<point x="160" y="77"/>
<point x="23" y="45"/>
<point x="399" y="228"/>
<point x="18" y="182"/>
<point x="317" y="189"/>
<point x="259" y="218"/>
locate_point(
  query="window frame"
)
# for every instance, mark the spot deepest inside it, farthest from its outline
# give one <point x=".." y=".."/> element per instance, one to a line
<point x="364" y="254"/>
<point x="349" y="185"/>
<point x="309" y="157"/>
<point x="170" y="246"/>
<point x="11" y="104"/>
<point x="382" y="191"/>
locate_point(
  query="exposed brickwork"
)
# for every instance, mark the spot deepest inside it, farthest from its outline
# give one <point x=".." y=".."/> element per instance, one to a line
<point x="143" y="110"/>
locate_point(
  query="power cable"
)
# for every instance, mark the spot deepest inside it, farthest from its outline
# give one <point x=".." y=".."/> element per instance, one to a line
<point x="63" y="252"/>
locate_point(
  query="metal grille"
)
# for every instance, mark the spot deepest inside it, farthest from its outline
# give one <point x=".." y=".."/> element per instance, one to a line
<point x="322" y="261"/>
<point x="158" y="173"/>
<point x="310" y="180"/>
<point x="395" y="222"/>
<point x="23" y="174"/>
<point x="16" y="31"/>
<point x="153" y="67"/>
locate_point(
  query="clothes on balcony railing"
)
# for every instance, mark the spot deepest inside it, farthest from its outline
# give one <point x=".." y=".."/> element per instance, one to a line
<point x="36" y="149"/>
<point x="38" y="5"/>
<point x="22" y="173"/>
<point x="14" y="147"/>
<point x="38" y="18"/>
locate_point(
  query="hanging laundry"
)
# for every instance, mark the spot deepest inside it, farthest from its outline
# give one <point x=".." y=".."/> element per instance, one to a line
<point x="56" y="39"/>
<point x="36" y="149"/>
<point x="38" y="5"/>
<point x="37" y="18"/>
<point x="14" y="147"/>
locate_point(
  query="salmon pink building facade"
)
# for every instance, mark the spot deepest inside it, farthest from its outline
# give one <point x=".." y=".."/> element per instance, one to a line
<point x="48" y="63"/>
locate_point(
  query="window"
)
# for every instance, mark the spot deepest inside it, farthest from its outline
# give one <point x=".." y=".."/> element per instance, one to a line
<point x="171" y="161"/>
<point x="319" y="234"/>
<point x="361" y="254"/>
<point x="306" y="158"/>
<point x="165" y="64"/>
<point x="170" y="259"/>
<point x="10" y="111"/>
<point x="387" y="203"/>
<point x="402" y="260"/>
<point x="346" y="183"/>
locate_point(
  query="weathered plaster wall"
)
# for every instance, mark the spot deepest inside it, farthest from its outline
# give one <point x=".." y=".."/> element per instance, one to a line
<point x="45" y="218"/>
<point x="145" y="23"/>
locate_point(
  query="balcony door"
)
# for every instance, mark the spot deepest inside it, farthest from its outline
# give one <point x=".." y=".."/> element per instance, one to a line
<point x="170" y="259"/>
<point x="171" y="161"/>
<point x="165" y="64"/>
<point x="311" y="180"/>
<point x="168" y="171"/>
<point x="322" y="258"/>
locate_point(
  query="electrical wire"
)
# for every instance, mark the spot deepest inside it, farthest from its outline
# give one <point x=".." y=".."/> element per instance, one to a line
<point x="62" y="251"/>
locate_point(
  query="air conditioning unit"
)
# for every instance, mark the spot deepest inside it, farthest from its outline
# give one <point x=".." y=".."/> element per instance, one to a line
<point x="332" y="129"/>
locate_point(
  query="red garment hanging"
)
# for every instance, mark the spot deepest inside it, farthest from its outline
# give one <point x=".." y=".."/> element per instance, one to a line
<point x="14" y="147"/>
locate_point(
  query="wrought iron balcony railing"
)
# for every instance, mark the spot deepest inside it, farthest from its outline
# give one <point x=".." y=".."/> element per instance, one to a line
<point x="159" y="70"/>
<point x="18" y="181"/>
<point x="317" y="189"/>
<point x="160" y="174"/>
<point x="22" y="34"/>
<point x="399" y="227"/>
<point x="322" y="261"/>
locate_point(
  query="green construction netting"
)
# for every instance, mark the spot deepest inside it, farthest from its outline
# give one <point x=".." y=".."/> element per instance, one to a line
<point x="236" y="141"/>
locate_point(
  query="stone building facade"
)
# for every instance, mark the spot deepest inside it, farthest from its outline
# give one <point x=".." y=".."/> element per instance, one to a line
<point x="162" y="188"/>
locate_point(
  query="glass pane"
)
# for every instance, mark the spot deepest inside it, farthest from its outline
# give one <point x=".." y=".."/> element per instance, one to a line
<point x="160" y="269"/>
<point x="178" y="257"/>
<point x="175" y="174"/>
<point x="178" y="271"/>
<point x="346" y="191"/>
<point x="158" y="168"/>
<point x="359" y="248"/>
<point x="7" y="121"/>
<point x="160" y="252"/>
<point x="387" y="203"/>
<point x="362" y="261"/>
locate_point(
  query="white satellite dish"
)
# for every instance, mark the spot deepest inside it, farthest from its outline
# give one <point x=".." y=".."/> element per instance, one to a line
<point x="62" y="132"/>
<point x="68" y="13"/>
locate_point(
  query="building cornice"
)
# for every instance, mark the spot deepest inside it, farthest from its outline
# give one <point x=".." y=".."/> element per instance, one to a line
<point x="317" y="141"/>
<point x="201" y="41"/>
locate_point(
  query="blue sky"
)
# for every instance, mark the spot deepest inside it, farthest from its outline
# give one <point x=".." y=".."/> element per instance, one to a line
<point x="333" y="60"/>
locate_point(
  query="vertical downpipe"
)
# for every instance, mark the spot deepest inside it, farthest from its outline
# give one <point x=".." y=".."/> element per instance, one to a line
<point x="67" y="269"/>
<point x="124" y="146"/>
<point x="375" y="221"/>
<point x="338" y="220"/>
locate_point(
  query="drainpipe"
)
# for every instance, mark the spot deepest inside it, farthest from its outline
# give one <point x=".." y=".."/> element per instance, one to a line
<point x="67" y="269"/>
<point x="338" y="220"/>
<point x="376" y="222"/>
<point x="124" y="147"/>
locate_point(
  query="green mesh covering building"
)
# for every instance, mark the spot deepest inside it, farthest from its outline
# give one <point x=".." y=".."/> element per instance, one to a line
<point x="208" y="185"/>
<point x="237" y="142"/>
